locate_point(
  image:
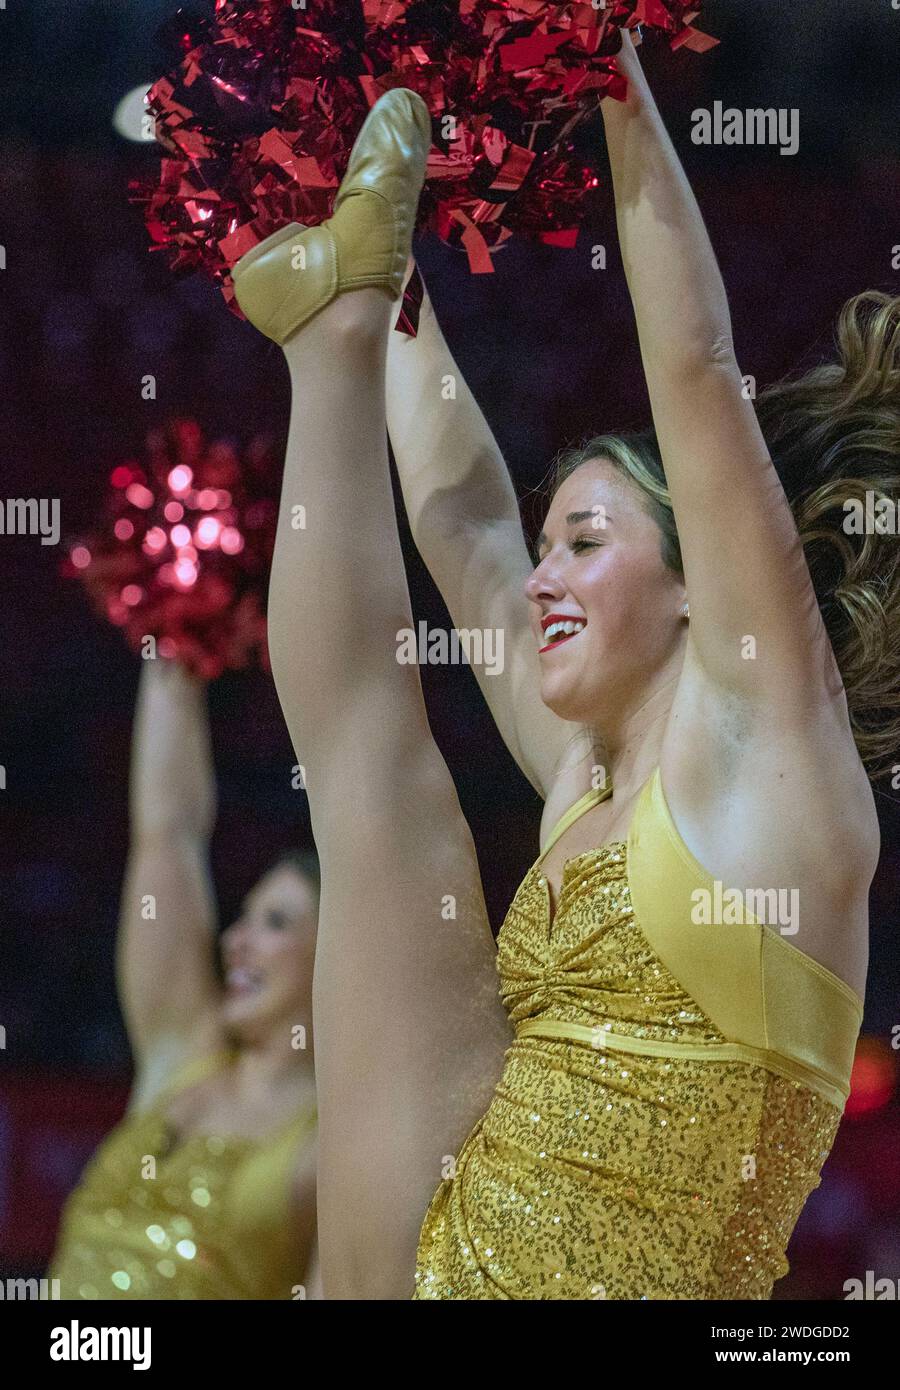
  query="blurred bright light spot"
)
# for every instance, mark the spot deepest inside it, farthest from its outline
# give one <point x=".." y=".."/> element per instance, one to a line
<point x="173" y="511"/>
<point x="874" y="1077"/>
<point x="131" y="119"/>
<point x="186" y="572"/>
<point x="80" y="557"/>
<point x="121" y="476"/>
<point x="207" y="532"/>
<point x="181" y="535"/>
<point x="124" y="529"/>
<point x="180" y="478"/>
<point x="139" y="496"/>
<point x="155" y="540"/>
<point x="232" y="542"/>
<point x="132" y="595"/>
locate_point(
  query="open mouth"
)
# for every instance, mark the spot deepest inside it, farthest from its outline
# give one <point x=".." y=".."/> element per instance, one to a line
<point x="559" y="630"/>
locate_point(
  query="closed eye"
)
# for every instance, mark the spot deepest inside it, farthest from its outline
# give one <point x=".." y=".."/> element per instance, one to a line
<point x="578" y="544"/>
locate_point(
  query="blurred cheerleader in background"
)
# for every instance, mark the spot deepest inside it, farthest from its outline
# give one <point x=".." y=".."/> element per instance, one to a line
<point x="207" y="1188"/>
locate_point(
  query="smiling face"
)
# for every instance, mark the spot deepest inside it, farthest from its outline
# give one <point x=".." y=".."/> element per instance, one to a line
<point x="601" y="574"/>
<point x="268" y="956"/>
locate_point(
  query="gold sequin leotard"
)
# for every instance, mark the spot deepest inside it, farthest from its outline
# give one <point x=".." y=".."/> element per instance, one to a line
<point x="668" y="1102"/>
<point x="206" y="1218"/>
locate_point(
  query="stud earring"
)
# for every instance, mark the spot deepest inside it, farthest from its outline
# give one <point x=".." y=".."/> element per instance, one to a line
<point x="686" y="610"/>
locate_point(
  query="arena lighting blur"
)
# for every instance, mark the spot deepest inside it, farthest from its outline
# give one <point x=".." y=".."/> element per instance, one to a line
<point x="874" y="1078"/>
<point x="131" y="119"/>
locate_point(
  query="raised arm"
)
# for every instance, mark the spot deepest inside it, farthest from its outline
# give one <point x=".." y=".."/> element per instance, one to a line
<point x="165" y="958"/>
<point x="465" y="521"/>
<point x="744" y="566"/>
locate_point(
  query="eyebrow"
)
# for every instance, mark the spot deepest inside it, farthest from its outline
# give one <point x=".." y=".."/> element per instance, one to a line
<point x="572" y="519"/>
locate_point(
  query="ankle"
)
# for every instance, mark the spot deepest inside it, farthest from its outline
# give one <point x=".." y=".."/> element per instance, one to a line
<point x="355" y="322"/>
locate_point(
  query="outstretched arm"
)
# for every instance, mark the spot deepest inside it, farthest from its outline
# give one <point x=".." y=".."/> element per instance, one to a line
<point x="165" y="957"/>
<point x="744" y="566"/>
<point x="465" y="521"/>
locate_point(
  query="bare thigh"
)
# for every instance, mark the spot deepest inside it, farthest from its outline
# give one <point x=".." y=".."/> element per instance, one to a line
<point x="409" y="1029"/>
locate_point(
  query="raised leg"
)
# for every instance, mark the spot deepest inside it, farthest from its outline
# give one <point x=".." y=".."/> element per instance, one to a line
<point x="410" y="1033"/>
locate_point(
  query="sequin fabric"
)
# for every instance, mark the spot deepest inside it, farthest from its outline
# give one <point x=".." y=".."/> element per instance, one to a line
<point x="602" y="1174"/>
<point x="206" y="1219"/>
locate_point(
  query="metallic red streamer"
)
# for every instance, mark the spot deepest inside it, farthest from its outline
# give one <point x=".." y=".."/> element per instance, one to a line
<point x="261" y="106"/>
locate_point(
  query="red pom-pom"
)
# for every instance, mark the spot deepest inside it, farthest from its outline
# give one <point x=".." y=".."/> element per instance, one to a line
<point x="184" y="550"/>
<point x="261" y="111"/>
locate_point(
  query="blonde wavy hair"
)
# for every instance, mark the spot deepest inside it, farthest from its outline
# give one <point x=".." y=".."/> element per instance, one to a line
<point x="834" y="436"/>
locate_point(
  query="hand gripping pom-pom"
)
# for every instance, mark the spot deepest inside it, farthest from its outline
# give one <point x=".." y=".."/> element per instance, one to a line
<point x="259" y="112"/>
<point x="184" y="549"/>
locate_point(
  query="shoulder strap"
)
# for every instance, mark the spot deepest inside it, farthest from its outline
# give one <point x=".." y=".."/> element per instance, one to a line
<point x="578" y="808"/>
